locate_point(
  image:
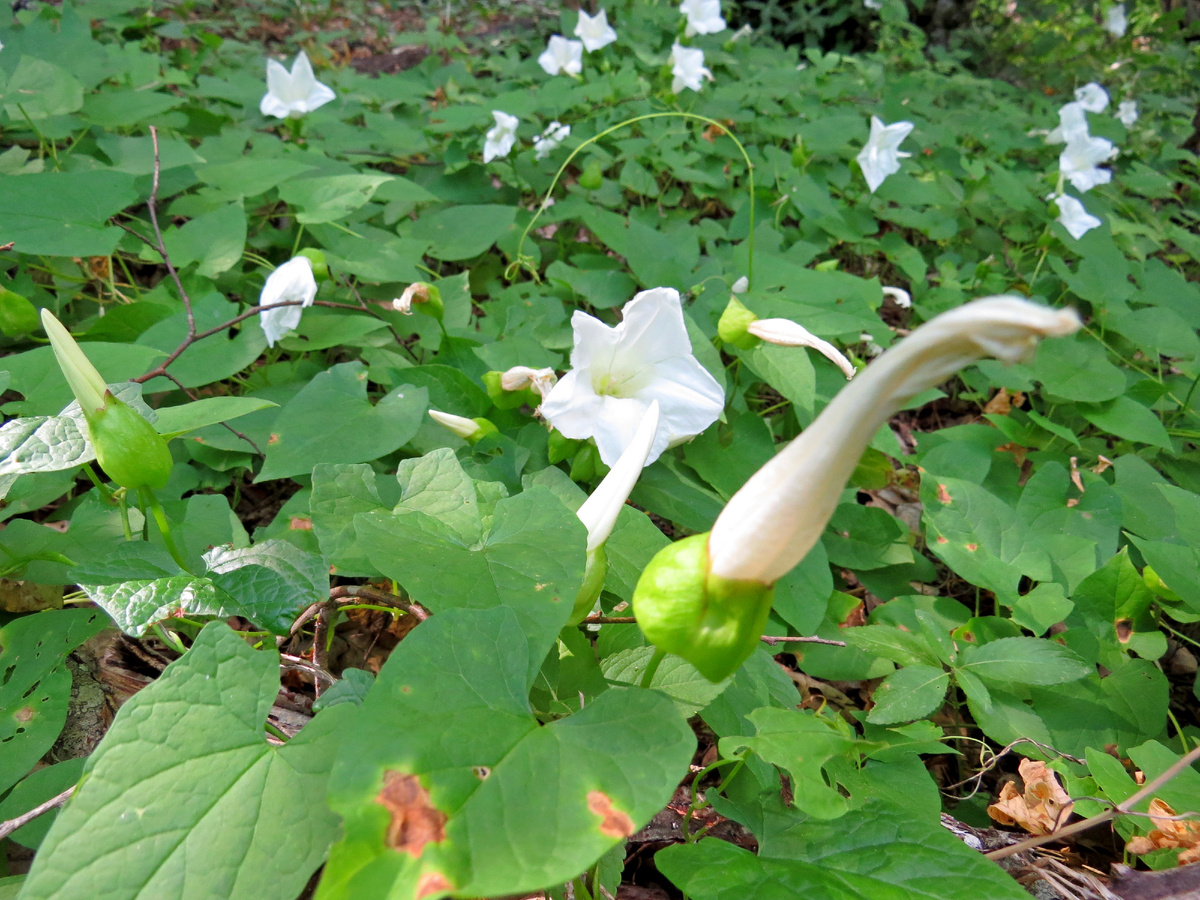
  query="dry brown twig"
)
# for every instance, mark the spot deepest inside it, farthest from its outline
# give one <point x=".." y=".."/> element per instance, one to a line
<point x="7" y="828"/>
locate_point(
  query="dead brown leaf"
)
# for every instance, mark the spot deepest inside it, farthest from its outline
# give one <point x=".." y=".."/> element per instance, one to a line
<point x="1168" y="833"/>
<point x="1042" y="807"/>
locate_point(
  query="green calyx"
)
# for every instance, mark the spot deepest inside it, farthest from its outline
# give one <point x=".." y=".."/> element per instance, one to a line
<point x="485" y="428"/>
<point x="507" y="399"/>
<point x="713" y="623"/>
<point x="734" y="323"/>
<point x="594" y="573"/>
<point x="128" y="448"/>
<point x="319" y="266"/>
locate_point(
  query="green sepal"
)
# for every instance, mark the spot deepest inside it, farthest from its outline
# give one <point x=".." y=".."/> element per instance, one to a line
<point x="127" y="447"/>
<point x="507" y="399"/>
<point x="319" y="266"/>
<point x="594" y="572"/>
<point x="587" y="466"/>
<point x="559" y="448"/>
<point x="592" y="176"/>
<point x="713" y="623"/>
<point x="485" y="428"/>
<point x="734" y="323"/>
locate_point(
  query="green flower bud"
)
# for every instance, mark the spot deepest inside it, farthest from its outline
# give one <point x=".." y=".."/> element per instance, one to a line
<point x="592" y="176"/>
<point x="593" y="583"/>
<point x="732" y="328"/>
<point x="559" y="448"/>
<point x="712" y="622"/>
<point x="127" y="447"/>
<point x="319" y="266"/>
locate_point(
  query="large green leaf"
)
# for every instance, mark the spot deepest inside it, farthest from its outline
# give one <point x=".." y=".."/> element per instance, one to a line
<point x="1024" y="660"/>
<point x="329" y="198"/>
<point x="185" y="773"/>
<point x="461" y="232"/>
<point x="448" y="758"/>
<point x="64" y="213"/>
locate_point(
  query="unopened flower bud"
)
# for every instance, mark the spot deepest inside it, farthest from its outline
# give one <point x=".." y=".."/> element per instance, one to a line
<point x="787" y="333"/>
<point x="740" y="286"/>
<point x="470" y="430"/>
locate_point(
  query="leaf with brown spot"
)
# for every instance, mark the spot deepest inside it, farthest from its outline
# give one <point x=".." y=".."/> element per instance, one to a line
<point x="614" y="823"/>
<point x="415" y="821"/>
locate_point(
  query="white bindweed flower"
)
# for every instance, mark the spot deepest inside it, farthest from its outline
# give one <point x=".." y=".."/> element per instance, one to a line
<point x="562" y="55"/>
<point x="554" y="135"/>
<point x="291" y="282"/>
<point x="703" y="17"/>
<point x="873" y="4"/>
<point x="1072" y="124"/>
<point x="500" y="138"/>
<point x="293" y="93"/>
<point x="594" y="31"/>
<point x="1115" y="22"/>
<point x="1092" y="97"/>
<point x="902" y="298"/>
<point x="518" y="378"/>
<point x="599" y="511"/>
<point x="881" y="156"/>
<point x="740" y="286"/>
<point x="787" y="333"/>
<point x="617" y="372"/>
<point x="687" y="65"/>
<point x="779" y="514"/>
<point x="1127" y="112"/>
<point x="1079" y="161"/>
<point x="1074" y="217"/>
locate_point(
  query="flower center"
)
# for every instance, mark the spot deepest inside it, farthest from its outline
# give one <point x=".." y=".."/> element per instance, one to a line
<point x="618" y="384"/>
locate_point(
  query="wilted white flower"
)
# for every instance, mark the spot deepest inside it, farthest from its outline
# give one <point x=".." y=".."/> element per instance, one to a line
<point x="881" y="156"/>
<point x="1079" y="161"/>
<point x="562" y="55"/>
<point x="540" y="381"/>
<point x="1115" y="22"/>
<point x="500" y="138"/>
<point x="787" y="333"/>
<point x="744" y="32"/>
<point x="554" y="135"/>
<point x="687" y="65"/>
<point x="1074" y="217"/>
<point x="740" y="286"/>
<point x="1092" y="97"/>
<point x="291" y="282"/>
<point x="1072" y="123"/>
<point x="902" y="297"/>
<point x="1127" y="112"/>
<point x="703" y="17"/>
<point x="616" y="373"/>
<point x="594" y="31"/>
<point x="293" y="93"/>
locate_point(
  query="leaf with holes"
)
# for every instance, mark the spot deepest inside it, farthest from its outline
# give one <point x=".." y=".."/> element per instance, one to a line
<point x="35" y="686"/>
<point x="447" y="756"/>
<point x="186" y="766"/>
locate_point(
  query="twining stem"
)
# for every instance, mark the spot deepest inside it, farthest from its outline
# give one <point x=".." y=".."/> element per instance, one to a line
<point x="660" y="115"/>
<point x="695" y="803"/>
<point x="652" y="666"/>
<point x="164" y="527"/>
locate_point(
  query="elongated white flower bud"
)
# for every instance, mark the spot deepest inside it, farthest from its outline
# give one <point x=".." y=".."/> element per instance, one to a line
<point x="779" y="514"/>
<point x="787" y="333"/>
<point x="470" y="430"/>
<point x="599" y="512"/>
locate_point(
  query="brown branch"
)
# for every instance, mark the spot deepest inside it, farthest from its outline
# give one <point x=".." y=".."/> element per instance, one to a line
<point x="383" y="598"/>
<point x="1100" y="818"/>
<point x="301" y="664"/>
<point x="152" y="206"/>
<point x="191" y="395"/>
<point x="7" y="828"/>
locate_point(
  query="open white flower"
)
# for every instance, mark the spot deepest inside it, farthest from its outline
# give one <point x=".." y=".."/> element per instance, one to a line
<point x="1092" y="97"/>
<point x="599" y="511"/>
<point x="499" y="140"/>
<point x="1072" y="124"/>
<point x="554" y="135"/>
<point x="1079" y="161"/>
<point x="562" y="55"/>
<point x="518" y="378"/>
<point x="1115" y="22"/>
<point x="594" y="31"/>
<point x="902" y="298"/>
<point x="787" y="333"/>
<point x="293" y="93"/>
<point x="1127" y="112"/>
<point x="703" y="17"/>
<point x="779" y="514"/>
<point x="881" y="156"/>
<point x="687" y="65"/>
<point x="617" y="372"/>
<point x="291" y="282"/>
<point x="1074" y="217"/>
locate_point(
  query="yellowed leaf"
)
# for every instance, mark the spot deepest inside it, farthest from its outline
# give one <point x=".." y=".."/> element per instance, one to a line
<point x="1040" y="808"/>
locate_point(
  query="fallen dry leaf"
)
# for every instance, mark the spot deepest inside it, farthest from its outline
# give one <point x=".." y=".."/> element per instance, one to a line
<point x="1042" y="807"/>
<point x="1168" y="833"/>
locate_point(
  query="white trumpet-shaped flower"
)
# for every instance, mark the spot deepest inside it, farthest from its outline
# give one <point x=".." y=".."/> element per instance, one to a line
<point x="787" y="333"/>
<point x="1072" y="124"/>
<point x="779" y="514"/>
<point x="499" y="140"/>
<point x="1127" y="112"/>
<point x="703" y="17"/>
<point x="518" y="378"/>
<point x="1092" y="97"/>
<point x="599" y="511"/>
<point x="294" y="93"/>
<point x="554" y="135"/>
<point x="1074" y="217"/>
<point x="881" y="156"/>
<point x="617" y="372"/>
<point x="1115" y="21"/>
<point x="687" y="67"/>
<point x="291" y="282"/>
<point x="594" y="31"/>
<point x="562" y="55"/>
<point x="1080" y="159"/>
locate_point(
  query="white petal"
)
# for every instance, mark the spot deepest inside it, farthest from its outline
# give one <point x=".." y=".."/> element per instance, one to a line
<point x="463" y="427"/>
<point x="292" y="281"/>
<point x="1074" y="217"/>
<point x="599" y="512"/>
<point x="690" y="400"/>
<point x="1092" y="97"/>
<point x="572" y="406"/>
<point x="902" y="297"/>
<point x="278" y="321"/>
<point x="652" y="328"/>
